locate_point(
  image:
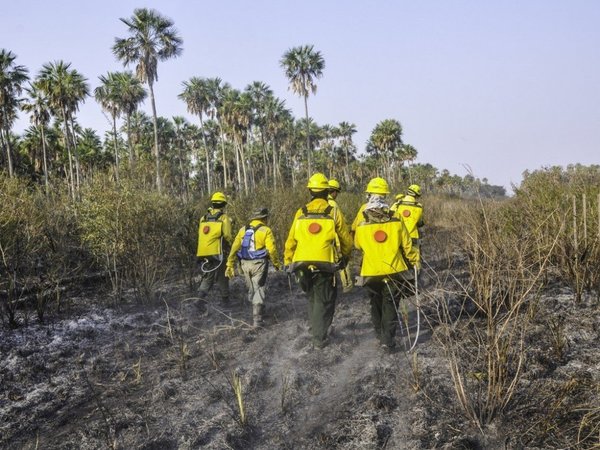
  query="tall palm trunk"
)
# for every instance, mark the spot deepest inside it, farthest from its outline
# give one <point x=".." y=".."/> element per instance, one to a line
<point x="129" y="143"/>
<point x="69" y="155"/>
<point x="237" y="163"/>
<point x="308" y="155"/>
<point x="274" y="154"/>
<point x="156" y="152"/>
<point x="208" y="186"/>
<point x="75" y="154"/>
<point x="223" y="158"/>
<point x="244" y="171"/>
<point x="44" y="155"/>
<point x="5" y="136"/>
<point x="115" y="146"/>
<point x="346" y="172"/>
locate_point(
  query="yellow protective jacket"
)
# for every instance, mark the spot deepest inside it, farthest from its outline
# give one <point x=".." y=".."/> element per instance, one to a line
<point x="359" y="217"/>
<point x="386" y="248"/>
<point x="411" y="212"/>
<point x="326" y="253"/>
<point x="212" y="226"/>
<point x="263" y="238"/>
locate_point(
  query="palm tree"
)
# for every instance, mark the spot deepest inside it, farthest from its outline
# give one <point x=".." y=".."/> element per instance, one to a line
<point x="302" y="65"/>
<point x="197" y="96"/>
<point x="276" y="117"/>
<point x="130" y="94"/>
<point x="386" y="140"/>
<point x="37" y="106"/>
<point x="259" y="94"/>
<point x="408" y="154"/>
<point x="65" y="90"/>
<point x="107" y="95"/>
<point x="346" y="130"/>
<point x="152" y="38"/>
<point x="12" y="77"/>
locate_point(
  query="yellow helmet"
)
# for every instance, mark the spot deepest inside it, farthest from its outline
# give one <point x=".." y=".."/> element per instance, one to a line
<point x="414" y="189"/>
<point x="378" y="185"/>
<point x="318" y="182"/>
<point x="399" y="196"/>
<point x="334" y="185"/>
<point x="218" y="197"/>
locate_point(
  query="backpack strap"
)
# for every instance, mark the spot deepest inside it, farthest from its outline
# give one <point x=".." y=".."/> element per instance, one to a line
<point x="324" y="213"/>
<point x="213" y="217"/>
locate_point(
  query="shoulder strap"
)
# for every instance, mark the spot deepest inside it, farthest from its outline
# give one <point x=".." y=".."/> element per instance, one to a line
<point x="213" y="217"/>
<point x="324" y="213"/>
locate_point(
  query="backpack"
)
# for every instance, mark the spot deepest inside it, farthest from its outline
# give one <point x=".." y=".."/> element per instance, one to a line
<point x="248" y="249"/>
<point x="315" y="235"/>
<point x="210" y="235"/>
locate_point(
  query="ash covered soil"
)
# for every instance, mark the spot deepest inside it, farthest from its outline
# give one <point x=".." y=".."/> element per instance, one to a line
<point x="160" y="376"/>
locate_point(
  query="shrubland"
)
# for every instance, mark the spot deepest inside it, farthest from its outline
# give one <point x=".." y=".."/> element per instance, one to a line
<point x="492" y="263"/>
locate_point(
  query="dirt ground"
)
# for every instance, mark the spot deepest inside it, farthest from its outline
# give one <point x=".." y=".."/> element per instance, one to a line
<point x="161" y="376"/>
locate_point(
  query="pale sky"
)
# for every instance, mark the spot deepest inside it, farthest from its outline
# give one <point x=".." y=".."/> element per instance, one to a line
<point x="499" y="87"/>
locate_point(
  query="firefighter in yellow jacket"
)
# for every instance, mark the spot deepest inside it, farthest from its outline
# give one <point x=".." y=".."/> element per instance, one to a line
<point x="387" y="250"/>
<point x="376" y="186"/>
<point x="214" y="240"/>
<point x="254" y="246"/>
<point x="410" y="211"/>
<point x="310" y="254"/>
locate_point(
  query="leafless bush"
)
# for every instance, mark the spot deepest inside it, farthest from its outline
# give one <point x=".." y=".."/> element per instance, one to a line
<point x="485" y="349"/>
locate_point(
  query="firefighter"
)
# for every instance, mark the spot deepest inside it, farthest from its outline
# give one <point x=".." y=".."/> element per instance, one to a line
<point x="388" y="254"/>
<point x="344" y="274"/>
<point x="410" y="211"/>
<point x="310" y="254"/>
<point x="214" y="241"/>
<point x="376" y="186"/>
<point x="254" y="246"/>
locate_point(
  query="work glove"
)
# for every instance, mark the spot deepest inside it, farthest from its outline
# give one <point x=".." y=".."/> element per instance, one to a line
<point x="229" y="272"/>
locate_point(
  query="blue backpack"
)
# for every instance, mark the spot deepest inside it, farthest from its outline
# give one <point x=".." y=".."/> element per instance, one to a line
<point x="248" y="249"/>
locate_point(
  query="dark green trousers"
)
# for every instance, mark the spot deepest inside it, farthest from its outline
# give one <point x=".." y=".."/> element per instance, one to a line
<point x="212" y="277"/>
<point x="384" y="299"/>
<point x="322" y="294"/>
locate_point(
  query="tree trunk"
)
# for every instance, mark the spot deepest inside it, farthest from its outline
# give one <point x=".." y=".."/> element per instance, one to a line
<point x="156" y="151"/>
<point x="308" y="155"/>
<point x="114" y="118"/>
<point x="223" y="159"/>
<point x="69" y="155"/>
<point x="4" y="136"/>
<point x="129" y="144"/>
<point x="44" y="155"/>
<point x="244" y="170"/>
<point x="208" y="186"/>
<point x="75" y="154"/>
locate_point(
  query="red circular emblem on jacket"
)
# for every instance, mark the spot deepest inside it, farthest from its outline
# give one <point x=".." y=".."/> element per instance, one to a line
<point x="406" y="213"/>
<point x="380" y="236"/>
<point x="314" y="228"/>
<point x="206" y="229"/>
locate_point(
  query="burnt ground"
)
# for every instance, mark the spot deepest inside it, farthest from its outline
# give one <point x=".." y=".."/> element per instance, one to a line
<point x="160" y="376"/>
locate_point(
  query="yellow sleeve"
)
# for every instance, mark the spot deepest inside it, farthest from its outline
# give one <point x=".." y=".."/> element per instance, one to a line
<point x="237" y="243"/>
<point x="271" y="247"/>
<point x="359" y="217"/>
<point x="291" y="242"/>
<point x="227" y="228"/>
<point x="357" y="241"/>
<point x="343" y="234"/>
